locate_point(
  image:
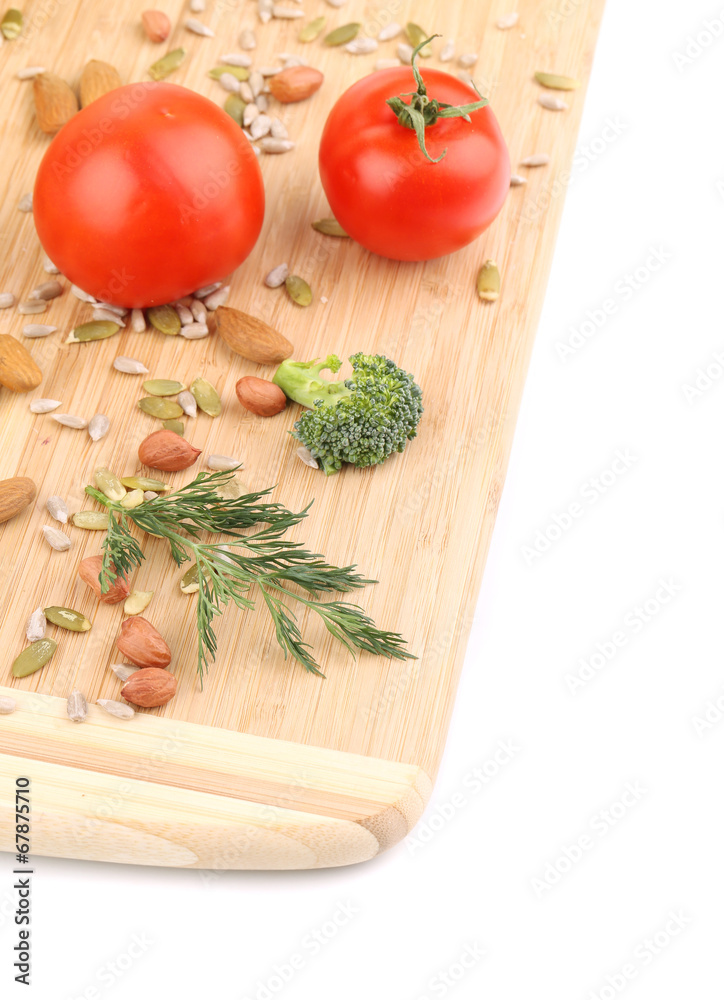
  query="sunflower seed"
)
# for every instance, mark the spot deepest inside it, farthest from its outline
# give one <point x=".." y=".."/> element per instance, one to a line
<point x="184" y="314"/>
<point x="469" y="59"/>
<point x="278" y="129"/>
<point x="90" y="520"/>
<point x="217" y="298"/>
<point x="7" y="299"/>
<point x="277" y="276"/>
<point x="447" y="53"/>
<point x="48" y="290"/>
<point x="163" y="409"/>
<point x="194" y="25"/>
<point x="109" y="484"/>
<point x="251" y="111"/>
<point x="269" y="70"/>
<point x="56" y="539"/>
<point x="57" y="508"/>
<point x="32" y="306"/>
<point x="507" y="21"/>
<point x="557" y="82"/>
<point x="44" y="405"/>
<point x="488" y="283"/>
<point x="330" y="227"/>
<point x="236" y="59"/>
<point x="245" y="93"/>
<point x="36" y="625"/>
<point x="287" y="13"/>
<point x="80" y="294"/>
<point x="69" y="420"/>
<point x="298" y="289"/>
<point x="77" y="707"/>
<point x="222" y="463"/>
<point x="262" y="103"/>
<point x="247" y="39"/>
<point x="260" y="126"/>
<point x="118" y="310"/>
<point x="48" y="265"/>
<point x="129" y="365"/>
<point x="195" y="331"/>
<point x="265" y="8"/>
<point x="256" y="82"/>
<point x="145" y="483"/>
<point x="336" y="3"/>
<point x="197" y="6"/>
<point x="7" y="705"/>
<point x="98" y="329"/>
<point x="516" y="180"/>
<point x="312" y="30"/>
<point x="391" y="30"/>
<point x="537" y="160"/>
<point x="187" y="403"/>
<point x="361" y="46"/>
<point x="98" y="426"/>
<point x="206" y="397"/>
<point x="163" y="387"/>
<point x="116" y="708"/>
<point x="29" y="72"/>
<point x="138" y="321"/>
<point x="230" y="83"/>
<point x="67" y="618"/>
<point x="552" y="103"/>
<point x="26" y="203"/>
<point x="150" y="495"/>
<point x="387" y="63"/>
<point x="167" y="64"/>
<point x="165" y="319"/>
<point x="38" y="330"/>
<point x="107" y="315"/>
<point x="33" y="657"/>
<point x="124" y="670"/>
<point x="201" y="293"/>
<point x="307" y="457"/>
<point x="404" y="53"/>
<point x="270" y="145"/>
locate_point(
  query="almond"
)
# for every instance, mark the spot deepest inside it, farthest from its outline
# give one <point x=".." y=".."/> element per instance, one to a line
<point x="15" y="495"/>
<point x="89" y="572"/>
<point x="143" y="644"/>
<point x="259" y="396"/>
<point x="55" y="102"/>
<point x="167" y="451"/>
<point x="149" y="688"/>
<point x="96" y="80"/>
<point x="296" y="83"/>
<point x="250" y="337"/>
<point x="156" y="25"/>
<point x="18" y="371"/>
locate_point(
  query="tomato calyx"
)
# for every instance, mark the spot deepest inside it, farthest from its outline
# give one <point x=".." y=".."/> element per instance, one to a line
<point x="423" y="111"/>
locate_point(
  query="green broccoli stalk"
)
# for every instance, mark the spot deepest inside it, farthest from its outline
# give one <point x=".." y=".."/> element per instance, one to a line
<point x="361" y="420"/>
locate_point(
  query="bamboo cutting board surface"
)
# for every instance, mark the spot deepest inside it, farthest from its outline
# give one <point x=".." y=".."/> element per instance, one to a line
<point x="268" y="766"/>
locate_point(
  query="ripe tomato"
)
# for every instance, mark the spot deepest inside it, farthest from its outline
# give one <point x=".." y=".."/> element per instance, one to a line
<point x="382" y="189"/>
<point x="147" y="194"/>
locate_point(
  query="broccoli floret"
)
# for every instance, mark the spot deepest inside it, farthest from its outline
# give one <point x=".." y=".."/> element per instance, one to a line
<point x="361" y="420"/>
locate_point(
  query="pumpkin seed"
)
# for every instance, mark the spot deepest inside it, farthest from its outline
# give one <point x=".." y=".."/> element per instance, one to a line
<point x="145" y="483"/>
<point x="488" y="283"/>
<point x="57" y="508"/>
<point x="38" y="330"/>
<point x="7" y="705"/>
<point x="299" y="290"/>
<point x="91" y="520"/>
<point x="74" y="621"/>
<point x="307" y="457"/>
<point x="206" y="397"/>
<point x="330" y="227"/>
<point x="164" y="409"/>
<point x="33" y="657"/>
<point x="129" y="365"/>
<point x="77" y="706"/>
<point x="164" y="66"/>
<point x="36" y="625"/>
<point x="187" y="403"/>
<point x="189" y="582"/>
<point x="70" y="420"/>
<point x="109" y="484"/>
<point x="239" y="72"/>
<point x="556" y="82"/>
<point x="138" y="321"/>
<point x="163" y="387"/>
<point x="552" y="103"/>
<point x="234" y="106"/>
<point x="56" y="539"/>
<point x="312" y="30"/>
<point x="137" y="601"/>
<point x="44" y="405"/>
<point x="124" y="670"/>
<point x="222" y="463"/>
<point x="277" y="276"/>
<point x="116" y="708"/>
<point x="345" y="33"/>
<point x="12" y="24"/>
<point x="174" y="425"/>
<point x="98" y="426"/>
<point x="132" y="499"/>
<point x="415" y="36"/>
<point x="165" y="319"/>
<point x="98" y="329"/>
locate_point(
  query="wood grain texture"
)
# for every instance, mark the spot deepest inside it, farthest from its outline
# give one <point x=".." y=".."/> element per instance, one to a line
<point x="373" y="732"/>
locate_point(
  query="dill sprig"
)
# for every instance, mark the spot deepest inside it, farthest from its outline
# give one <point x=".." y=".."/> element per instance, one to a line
<point x="227" y="571"/>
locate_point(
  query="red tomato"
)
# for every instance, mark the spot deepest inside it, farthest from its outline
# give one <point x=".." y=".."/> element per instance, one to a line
<point x="382" y="189"/>
<point x="147" y="194"/>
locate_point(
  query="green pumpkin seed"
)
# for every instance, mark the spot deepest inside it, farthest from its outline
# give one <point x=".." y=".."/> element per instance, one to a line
<point x="415" y="36"/>
<point x="189" y="582"/>
<point x="174" y="425"/>
<point x="91" y="520"/>
<point x="67" y="618"/>
<point x="167" y="64"/>
<point x="340" y="36"/>
<point x="165" y="319"/>
<point x="206" y="397"/>
<point x="109" y="483"/>
<point x="238" y="71"/>
<point x="145" y="483"/>
<point x="330" y="227"/>
<point x="33" y="657"/>
<point x="556" y="82"/>
<point x="312" y="30"/>
<point x="163" y="387"/>
<point x="12" y="24"/>
<point x="235" y="106"/>
<point x="299" y="290"/>
<point x="164" y="409"/>
<point x="488" y="283"/>
<point x="97" y="329"/>
<point x="133" y="499"/>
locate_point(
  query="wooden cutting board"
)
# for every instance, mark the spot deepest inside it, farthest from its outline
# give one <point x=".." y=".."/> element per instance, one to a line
<point x="269" y="766"/>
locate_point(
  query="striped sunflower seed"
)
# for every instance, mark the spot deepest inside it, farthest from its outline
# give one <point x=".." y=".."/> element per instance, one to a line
<point x="36" y="625"/>
<point x="129" y="365"/>
<point x="98" y="426"/>
<point x="38" y="330"/>
<point x="56" y="539"/>
<point x="33" y="657"/>
<point x="57" y="508"/>
<point x="44" y="405"/>
<point x="70" y="420"/>
<point x="77" y="707"/>
<point x="118" y="709"/>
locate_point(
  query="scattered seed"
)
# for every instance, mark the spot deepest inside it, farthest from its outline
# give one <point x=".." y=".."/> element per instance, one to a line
<point x="116" y="310"/>
<point x="56" y="539"/>
<point x="44" y="405"/>
<point x="361" y="46"/>
<point x="103" y="315"/>
<point x="404" y="53"/>
<point x="235" y="106"/>
<point x="116" y="708"/>
<point x="48" y="265"/>
<point x="236" y="59"/>
<point x="57" y="508"/>
<point x="556" y="82"/>
<point x="91" y="520"/>
<point x="145" y="483"/>
<point x="109" y="484"/>
<point x="184" y="314"/>
<point x="467" y="60"/>
<point x="12" y="24"/>
<point x="38" y="330"/>
<point x="165" y="319"/>
<point x="516" y="180"/>
<point x="7" y="299"/>
<point x="222" y="463"/>
<point x="552" y="103"/>
<point x="287" y="13"/>
<point x="278" y="129"/>
<point x="387" y="63"/>
<point x="163" y="409"/>
<point x="83" y="296"/>
<point x="277" y="276"/>
<point x="29" y="72"/>
<point x="390" y="31"/>
<point x="187" y="403"/>
<point x="26" y="203"/>
<point x="48" y="290"/>
<point x="36" y="625"/>
<point x="247" y="39"/>
<point x="488" y="283"/>
<point x="217" y="298"/>
<point x="298" y="289"/>
<point x="265" y="8"/>
<point x="251" y="111"/>
<point x="194" y="25"/>
<point x="312" y="30"/>
<point x="69" y="420"/>
<point x="150" y="495"/>
<point x="77" y="707"/>
<point x="33" y="657"/>
<point x="537" y="160"/>
<point x="124" y="670"/>
<point x="67" y="618"/>
<point x="507" y="21"/>
<point x="229" y="82"/>
<point x="271" y="145"/>
<point x="307" y="457"/>
<point x="189" y="582"/>
<point x="330" y="227"/>
<point x="7" y="705"/>
<point x="97" y="329"/>
<point x="197" y="6"/>
<point x="32" y="306"/>
<point x="201" y="293"/>
<point x="415" y="36"/>
<point x="174" y="425"/>
<point x="129" y="365"/>
<point x="195" y="331"/>
<point x="336" y="3"/>
<point x="260" y="126"/>
<point x="206" y="397"/>
<point x="345" y="33"/>
<point x="164" y="66"/>
<point x="447" y="53"/>
<point x="132" y="499"/>
<point x="269" y="70"/>
<point x="163" y="387"/>
<point x="138" y="321"/>
<point x="98" y="426"/>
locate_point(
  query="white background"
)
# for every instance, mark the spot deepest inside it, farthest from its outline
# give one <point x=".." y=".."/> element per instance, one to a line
<point x="469" y="880"/>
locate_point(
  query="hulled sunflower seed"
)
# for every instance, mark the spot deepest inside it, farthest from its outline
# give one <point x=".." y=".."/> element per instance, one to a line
<point x="271" y="145"/>
<point x="98" y="426"/>
<point x="488" y="282"/>
<point x="44" y="405"/>
<point x="286" y="13"/>
<point x="56" y="539"/>
<point x="32" y="306"/>
<point x="184" y="314"/>
<point x="251" y="111"/>
<point x="330" y="227"/>
<point x="164" y="66"/>
<point x="391" y="30"/>
<point x="206" y="397"/>
<point x="36" y="625"/>
<point x="7" y="705"/>
<point x="260" y="126"/>
<point x="150" y="495"/>
<point x="107" y="315"/>
<point x="552" y="103"/>
<point x="278" y="129"/>
<point x="156" y="406"/>
<point x="145" y="483"/>
<point x="343" y="34"/>
<point x="80" y="294"/>
<point x="264" y="9"/>
<point x="67" y="618"/>
<point x="29" y="72"/>
<point x="77" y="706"/>
<point x="507" y="21"/>
<point x="516" y="180"/>
<point x="307" y="457"/>
<point x="467" y="60"/>
<point x="447" y="53"/>
<point x="256" y="82"/>
<point x="48" y="265"/>
<point x="124" y="670"/>
<point x="118" y="310"/>
<point x="57" y="508"/>
<point x="537" y="160"/>
<point x="361" y="46"/>
<point x="197" y="6"/>
<point x="230" y="83"/>
<point x="129" y="365"/>
<point x="277" y="276"/>
<point x="195" y="331"/>
<point x="7" y="299"/>
<point x="90" y="520"/>
<point x="33" y="657"/>
<point x="312" y="30"/>
<point x="201" y="293"/>
<point x="222" y="463"/>
<point x="165" y="319"/>
<point x="38" y="330"/>
<point x="26" y="203"/>
<point x="198" y="311"/>
<point x="262" y="103"/>
<point x="387" y="63"/>
<point x="404" y="53"/>
<point x="48" y="290"/>
<point x="336" y="3"/>
<point x="247" y="39"/>
<point x="187" y="403"/>
<point x="97" y="329"/>
<point x="118" y="709"/>
<point x="138" y="321"/>
<point x="236" y="59"/>
<point x="269" y="70"/>
<point x="70" y="420"/>
<point x="246" y="95"/>
<point x="298" y="289"/>
<point x="194" y="25"/>
<point x="217" y="298"/>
